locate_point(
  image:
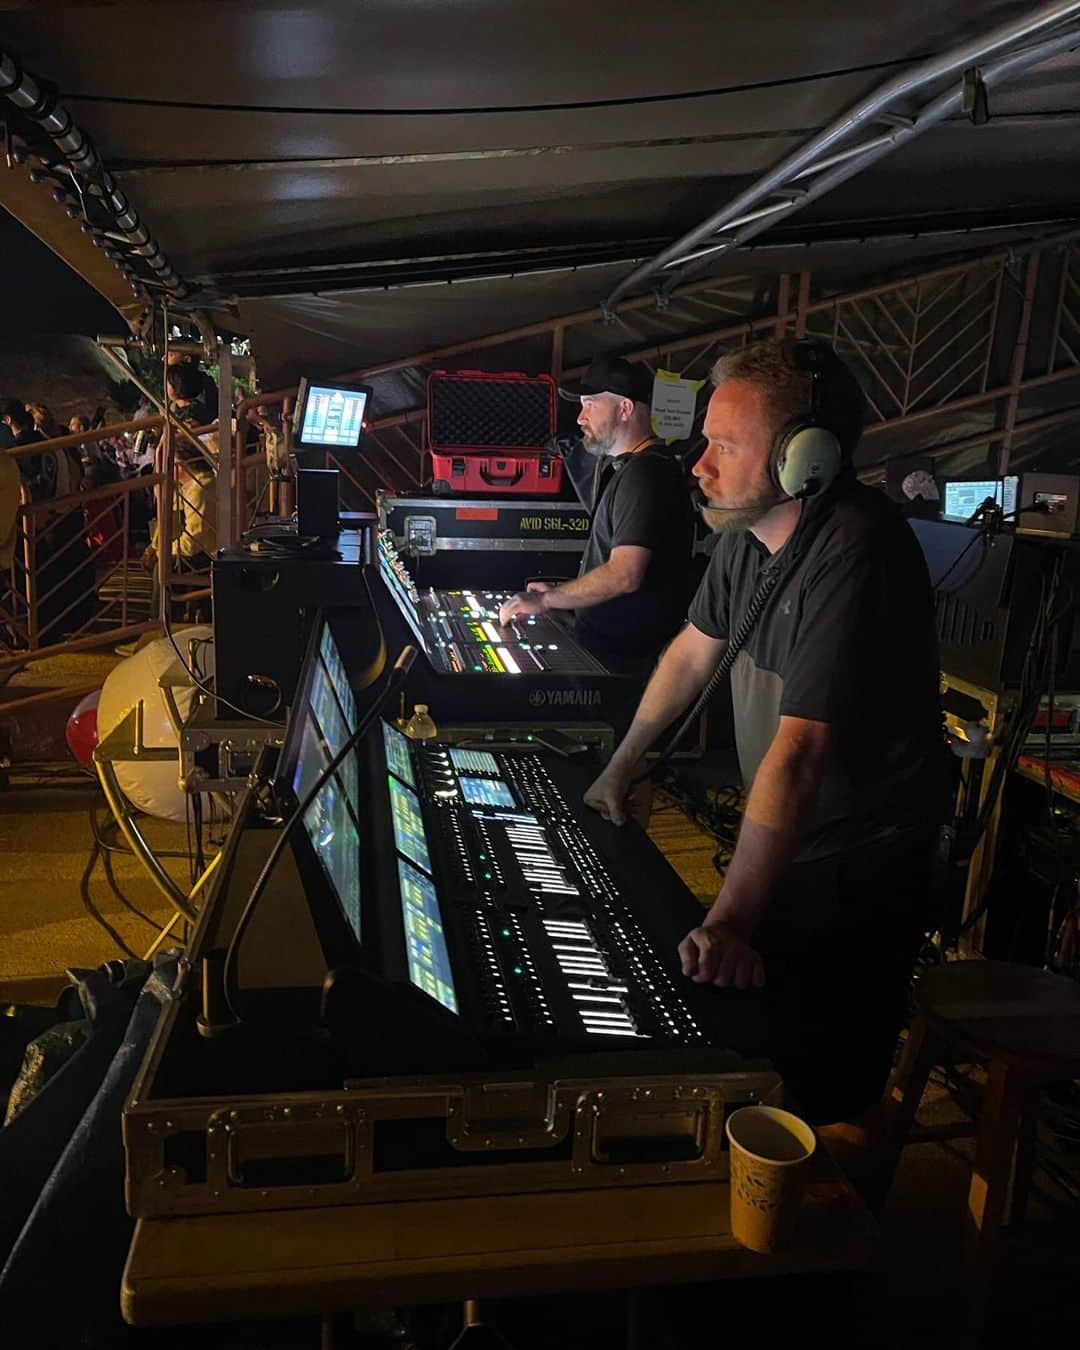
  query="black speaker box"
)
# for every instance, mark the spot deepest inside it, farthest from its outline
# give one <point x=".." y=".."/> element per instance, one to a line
<point x="263" y="607"/>
<point x="318" y="503"/>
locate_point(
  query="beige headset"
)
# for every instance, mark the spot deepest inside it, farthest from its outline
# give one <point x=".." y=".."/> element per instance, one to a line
<point x="806" y="456"/>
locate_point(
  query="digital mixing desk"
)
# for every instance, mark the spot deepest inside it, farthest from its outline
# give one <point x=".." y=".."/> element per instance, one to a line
<point x="480" y="877"/>
<point x="477" y="671"/>
<point x="464" y="981"/>
<point x="527" y="913"/>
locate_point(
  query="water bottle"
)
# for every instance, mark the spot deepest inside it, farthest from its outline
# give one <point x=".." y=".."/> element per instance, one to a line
<point x="420" y="727"/>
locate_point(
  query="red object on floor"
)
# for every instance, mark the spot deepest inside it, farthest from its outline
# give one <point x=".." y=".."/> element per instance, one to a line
<point x="81" y="732"/>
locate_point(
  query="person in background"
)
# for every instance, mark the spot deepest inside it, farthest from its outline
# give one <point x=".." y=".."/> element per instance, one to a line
<point x="89" y="450"/>
<point x="10" y="500"/>
<point x="195" y="520"/>
<point x="38" y="471"/>
<point x="69" y="471"/>
<point x="45" y="422"/>
<point x="265" y="420"/>
<point x="629" y="598"/>
<point x="103" y="515"/>
<point x="205" y="403"/>
<point x="64" y="578"/>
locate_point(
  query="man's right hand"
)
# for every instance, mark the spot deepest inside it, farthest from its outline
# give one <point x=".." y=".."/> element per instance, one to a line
<point x="715" y="953"/>
<point x="608" y="794"/>
<point x="540" y="585"/>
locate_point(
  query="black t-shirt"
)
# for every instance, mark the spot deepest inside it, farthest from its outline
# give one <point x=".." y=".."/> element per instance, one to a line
<point x="847" y="638"/>
<point x="645" y="502"/>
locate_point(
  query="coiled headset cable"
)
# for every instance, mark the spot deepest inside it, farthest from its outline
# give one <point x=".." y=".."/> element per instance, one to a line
<point x="775" y="571"/>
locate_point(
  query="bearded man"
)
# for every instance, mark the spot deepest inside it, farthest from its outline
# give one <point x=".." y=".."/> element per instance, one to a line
<point x="838" y="729"/>
<point x="630" y="595"/>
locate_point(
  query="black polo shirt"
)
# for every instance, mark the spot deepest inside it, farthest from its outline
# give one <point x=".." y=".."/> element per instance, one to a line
<point x="847" y="638"/>
<point x="644" y="501"/>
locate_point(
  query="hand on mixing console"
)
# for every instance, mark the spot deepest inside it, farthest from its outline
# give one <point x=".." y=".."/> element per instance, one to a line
<point x="716" y="954"/>
<point x="608" y="794"/>
<point x="540" y="585"/>
<point x="521" y="605"/>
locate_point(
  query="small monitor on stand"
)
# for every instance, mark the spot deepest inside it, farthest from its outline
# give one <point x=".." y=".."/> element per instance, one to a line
<point x="329" y="416"/>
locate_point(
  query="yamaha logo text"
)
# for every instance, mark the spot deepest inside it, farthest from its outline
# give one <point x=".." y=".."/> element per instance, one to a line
<point x="565" y="698"/>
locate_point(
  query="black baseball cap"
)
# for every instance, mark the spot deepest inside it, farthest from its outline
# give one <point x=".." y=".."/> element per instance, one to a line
<point x="613" y="375"/>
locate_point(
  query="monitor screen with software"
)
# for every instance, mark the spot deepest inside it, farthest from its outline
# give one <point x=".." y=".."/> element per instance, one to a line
<point x="963" y="497"/>
<point x="324" y="716"/>
<point x="330" y="415"/>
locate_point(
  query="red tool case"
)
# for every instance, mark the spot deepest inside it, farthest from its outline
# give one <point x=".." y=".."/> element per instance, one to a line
<point x="488" y="433"/>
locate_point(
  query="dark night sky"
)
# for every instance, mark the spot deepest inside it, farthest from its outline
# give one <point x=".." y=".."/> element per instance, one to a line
<point x="41" y="294"/>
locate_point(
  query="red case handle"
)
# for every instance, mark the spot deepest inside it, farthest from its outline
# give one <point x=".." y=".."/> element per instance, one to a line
<point x="495" y="480"/>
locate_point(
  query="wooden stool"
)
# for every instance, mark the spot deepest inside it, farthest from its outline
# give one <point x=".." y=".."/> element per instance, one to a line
<point x="1024" y="1025"/>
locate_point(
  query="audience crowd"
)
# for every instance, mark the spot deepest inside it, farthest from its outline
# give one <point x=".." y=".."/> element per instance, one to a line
<point x="77" y="544"/>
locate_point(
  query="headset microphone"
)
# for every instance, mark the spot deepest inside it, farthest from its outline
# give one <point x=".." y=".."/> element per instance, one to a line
<point x="703" y="503"/>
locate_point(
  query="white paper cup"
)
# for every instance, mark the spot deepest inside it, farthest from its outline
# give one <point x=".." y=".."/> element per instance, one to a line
<point x="770" y="1151"/>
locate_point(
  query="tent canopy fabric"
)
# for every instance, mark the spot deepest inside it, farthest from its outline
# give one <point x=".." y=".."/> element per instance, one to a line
<point x="295" y="161"/>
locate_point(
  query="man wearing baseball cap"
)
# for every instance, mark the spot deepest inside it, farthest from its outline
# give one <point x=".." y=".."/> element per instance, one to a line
<point x="631" y="594"/>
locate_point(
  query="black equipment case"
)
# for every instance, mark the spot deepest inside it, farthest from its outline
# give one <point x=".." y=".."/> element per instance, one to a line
<point x="265" y="596"/>
<point x="493" y="543"/>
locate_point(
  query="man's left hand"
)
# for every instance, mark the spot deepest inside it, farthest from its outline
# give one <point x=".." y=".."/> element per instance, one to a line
<point x="716" y="954"/>
<point x="521" y="605"/>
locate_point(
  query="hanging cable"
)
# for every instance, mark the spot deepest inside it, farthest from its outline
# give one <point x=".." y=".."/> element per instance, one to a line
<point x="92" y="909"/>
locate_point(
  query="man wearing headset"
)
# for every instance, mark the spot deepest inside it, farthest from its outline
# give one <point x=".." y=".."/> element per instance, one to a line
<point x="837" y="719"/>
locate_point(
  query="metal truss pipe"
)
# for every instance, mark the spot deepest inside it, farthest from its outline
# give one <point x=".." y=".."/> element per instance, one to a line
<point x="81" y="158"/>
<point x="875" y="108"/>
<point x="942" y="107"/>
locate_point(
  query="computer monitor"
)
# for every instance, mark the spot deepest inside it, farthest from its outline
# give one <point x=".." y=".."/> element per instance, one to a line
<point x="329" y="416"/>
<point x="324" y="715"/>
<point x="963" y="497"/>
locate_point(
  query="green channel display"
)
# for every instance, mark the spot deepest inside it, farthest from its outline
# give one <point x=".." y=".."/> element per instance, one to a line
<point x="474" y="761"/>
<point x="409" y="833"/>
<point x="398" y="760"/>
<point x="429" y="961"/>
